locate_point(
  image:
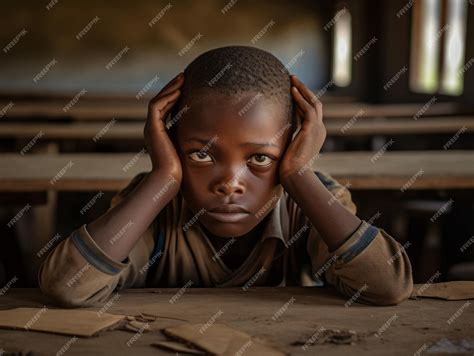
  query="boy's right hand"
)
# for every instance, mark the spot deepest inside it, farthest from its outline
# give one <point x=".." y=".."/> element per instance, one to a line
<point x="162" y="152"/>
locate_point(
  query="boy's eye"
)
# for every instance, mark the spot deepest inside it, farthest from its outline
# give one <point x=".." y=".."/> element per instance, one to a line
<point x="200" y="156"/>
<point x="260" y="160"/>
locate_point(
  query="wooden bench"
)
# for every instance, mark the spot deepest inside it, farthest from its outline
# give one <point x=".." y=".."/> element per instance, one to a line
<point x="363" y="170"/>
<point x="132" y="109"/>
<point x="121" y="130"/>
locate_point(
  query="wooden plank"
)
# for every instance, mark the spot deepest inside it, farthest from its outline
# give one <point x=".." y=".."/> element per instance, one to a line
<point x="350" y="110"/>
<point x="74" y="131"/>
<point x="399" y="126"/>
<point x="82" y="110"/>
<point x="121" y="130"/>
<point x="81" y="172"/>
<point x="392" y="170"/>
<point x="85" y="109"/>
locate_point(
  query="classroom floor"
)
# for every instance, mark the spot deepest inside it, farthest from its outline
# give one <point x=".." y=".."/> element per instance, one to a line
<point x="393" y="330"/>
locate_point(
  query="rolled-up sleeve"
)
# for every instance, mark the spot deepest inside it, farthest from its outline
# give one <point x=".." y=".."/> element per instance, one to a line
<point x="370" y="266"/>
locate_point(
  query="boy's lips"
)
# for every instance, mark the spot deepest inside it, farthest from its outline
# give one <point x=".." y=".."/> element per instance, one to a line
<point x="228" y="213"/>
<point x="228" y="208"/>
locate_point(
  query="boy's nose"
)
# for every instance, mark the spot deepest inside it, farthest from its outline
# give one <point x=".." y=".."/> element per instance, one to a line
<point x="230" y="183"/>
<point x="228" y="188"/>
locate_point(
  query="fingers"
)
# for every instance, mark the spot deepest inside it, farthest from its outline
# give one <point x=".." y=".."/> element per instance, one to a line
<point x="163" y="104"/>
<point x="168" y="106"/>
<point x="302" y="103"/>
<point x="172" y="85"/>
<point x="307" y="95"/>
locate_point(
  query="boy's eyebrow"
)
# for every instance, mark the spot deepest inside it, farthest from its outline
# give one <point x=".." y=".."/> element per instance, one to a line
<point x="258" y="144"/>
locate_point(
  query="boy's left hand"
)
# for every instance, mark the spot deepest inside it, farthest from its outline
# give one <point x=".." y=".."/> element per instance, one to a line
<point x="305" y="147"/>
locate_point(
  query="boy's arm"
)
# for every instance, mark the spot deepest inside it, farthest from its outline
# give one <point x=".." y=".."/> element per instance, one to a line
<point x="363" y="262"/>
<point x="78" y="272"/>
<point x="96" y="255"/>
<point x="117" y="231"/>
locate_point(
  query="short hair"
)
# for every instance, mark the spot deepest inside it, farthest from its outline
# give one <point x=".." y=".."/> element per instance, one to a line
<point x="235" y="70"/>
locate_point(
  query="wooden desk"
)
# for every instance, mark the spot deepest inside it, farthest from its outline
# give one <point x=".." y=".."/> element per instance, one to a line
<point x="91" y="172"/>
<point x="410" y="324"/>
<point x="122" y="130"/>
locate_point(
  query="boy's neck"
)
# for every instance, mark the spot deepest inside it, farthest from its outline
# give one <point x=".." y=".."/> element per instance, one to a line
<point x="240" y="249"/>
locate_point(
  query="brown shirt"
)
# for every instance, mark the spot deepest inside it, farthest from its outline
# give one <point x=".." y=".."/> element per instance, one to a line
<point x="370" y="266"/>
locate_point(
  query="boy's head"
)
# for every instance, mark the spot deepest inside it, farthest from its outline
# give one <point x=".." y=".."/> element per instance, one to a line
<point x="231" y="126"/>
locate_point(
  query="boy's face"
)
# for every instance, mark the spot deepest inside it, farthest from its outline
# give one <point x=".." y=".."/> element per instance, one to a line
<point x="231" y="160"/>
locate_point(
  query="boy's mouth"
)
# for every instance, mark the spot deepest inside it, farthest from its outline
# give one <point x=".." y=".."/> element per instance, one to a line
<point x="228" y="217"/>
<point x="229" y="213"/>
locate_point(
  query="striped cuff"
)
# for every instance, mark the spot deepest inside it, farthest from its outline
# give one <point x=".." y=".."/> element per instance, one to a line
<point x="93" y="254"/>
<point x="356" y="243"/>
<point x="155" y="256"/>
<point x="328" y="182"/>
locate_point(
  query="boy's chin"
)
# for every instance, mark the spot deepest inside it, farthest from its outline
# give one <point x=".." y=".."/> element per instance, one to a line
<point x="228" y="230"/>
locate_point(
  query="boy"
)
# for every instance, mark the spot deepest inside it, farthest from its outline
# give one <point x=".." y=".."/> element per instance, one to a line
<point x="231" y="199"/>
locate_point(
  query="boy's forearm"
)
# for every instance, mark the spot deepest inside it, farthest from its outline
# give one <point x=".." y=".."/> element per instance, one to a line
<point x="333" y="221"/>
<point x="117" y="231"/>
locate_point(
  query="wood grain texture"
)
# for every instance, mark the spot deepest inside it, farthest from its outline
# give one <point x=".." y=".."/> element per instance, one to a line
<point x="416" y="322"/>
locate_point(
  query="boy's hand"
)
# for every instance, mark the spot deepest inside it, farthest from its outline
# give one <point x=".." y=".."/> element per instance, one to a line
<point x="163" y="155"/>
<point x="308" y="142"/>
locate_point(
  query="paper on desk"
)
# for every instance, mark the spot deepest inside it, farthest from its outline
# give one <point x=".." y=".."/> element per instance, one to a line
<point x="177" y="347"/>
<point x="83" y="323"/>
<point x="219" y="339"/>
<point x="455" y="290"/>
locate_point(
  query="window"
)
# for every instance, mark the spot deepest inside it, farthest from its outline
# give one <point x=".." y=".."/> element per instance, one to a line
<point x="438" y="46"/>
<point x="342" y="49"/>
<point x="454" y="47"/>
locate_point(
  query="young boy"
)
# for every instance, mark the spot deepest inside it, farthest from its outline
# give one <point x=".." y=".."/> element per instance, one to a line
<point x="231" y="200"/>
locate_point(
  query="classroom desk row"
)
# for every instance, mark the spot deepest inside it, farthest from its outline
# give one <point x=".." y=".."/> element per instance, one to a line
<point x="335" y="127"/>
<point x="428" y="170"/>
<point x="132" y="109"/>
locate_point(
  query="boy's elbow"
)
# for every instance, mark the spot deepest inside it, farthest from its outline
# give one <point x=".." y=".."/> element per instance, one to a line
<point x="393" y="281"/>
<point x="390" y="297"/>
<point x="389" y="293"/>
<point x="63" y="299"/>
<point x="55" y="289"/>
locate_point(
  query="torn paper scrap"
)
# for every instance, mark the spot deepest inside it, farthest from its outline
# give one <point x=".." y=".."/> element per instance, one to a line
<point x="177" y="347"/>
<point x="220" y="339"/>
<point x="455" y="290"/>
<point x="72" y="322"/>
